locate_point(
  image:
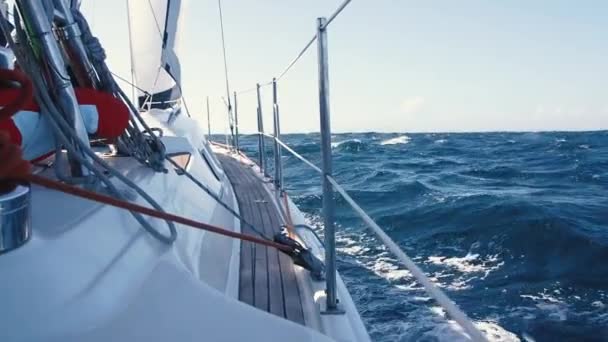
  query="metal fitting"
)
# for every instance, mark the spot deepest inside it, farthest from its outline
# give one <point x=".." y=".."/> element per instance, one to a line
<point x="15" y="220"/>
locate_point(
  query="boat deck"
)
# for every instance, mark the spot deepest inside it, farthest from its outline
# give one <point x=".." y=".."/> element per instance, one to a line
<point x="267" y="277"/>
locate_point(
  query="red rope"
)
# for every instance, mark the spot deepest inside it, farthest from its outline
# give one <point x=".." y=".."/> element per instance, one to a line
<point x="25" y="95"/>
<point x="75" y="191"/>
<point x="14" y="169"/>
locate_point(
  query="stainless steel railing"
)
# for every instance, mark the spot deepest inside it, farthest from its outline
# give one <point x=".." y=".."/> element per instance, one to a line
<point x="330" y="184"/>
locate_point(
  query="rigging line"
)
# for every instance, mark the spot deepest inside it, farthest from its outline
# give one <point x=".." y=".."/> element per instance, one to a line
<point x="433" y="290"/>
<point x="230" y="118"/>
<point x="160" y="33"/>
<point x="246" y="91"/>
<point x="153" y="88"/>
<point x="455" y="313"/>
<point x="76" y="191"/>
<point x="215" y="197"/>
<point x="129" y="83"/>
<point x="161" y="36"/>
<point x="312" y="40"/>
<point x="249" y="90"/>
<point x="337" y="12"/>
<point x="297" y="58"/>
<point x="219" y="5"/>
<point x="133" y="86"/>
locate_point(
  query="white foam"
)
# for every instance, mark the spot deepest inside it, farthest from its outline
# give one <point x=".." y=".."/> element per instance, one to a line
<point x="403" y="139"/>
<point x="389" y="269"/>
<point x="470" y="263"/>
<point x="451" y="331"/>
<point x="555" y="308"/>
<point x="441" y="141"/>
<point x="338" y="143"/>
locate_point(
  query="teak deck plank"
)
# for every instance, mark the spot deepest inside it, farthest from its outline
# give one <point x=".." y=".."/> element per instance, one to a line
<point x="267" y="278"/>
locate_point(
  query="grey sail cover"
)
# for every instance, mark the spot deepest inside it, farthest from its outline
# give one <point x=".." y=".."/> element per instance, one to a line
<point x="154" y="26"/>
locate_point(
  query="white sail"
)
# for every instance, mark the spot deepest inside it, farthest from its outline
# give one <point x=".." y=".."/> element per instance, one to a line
<point x="153" y="29"/>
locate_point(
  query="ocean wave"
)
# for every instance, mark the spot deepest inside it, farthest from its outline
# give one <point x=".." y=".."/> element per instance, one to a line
<point x="402" y="139"/>
<point x="350" y="145"/>
<point x="512" y="225"/>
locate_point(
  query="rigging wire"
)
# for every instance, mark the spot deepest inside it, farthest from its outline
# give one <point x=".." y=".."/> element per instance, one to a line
<point x="162" y="40"/>
<point x="435" y="292"/>
<point x="133" y="86"/>
<point x="129" y="83"/>
<point x="230" y="118"/>
<point x="160" y="33"/>
<point x="312" y="40"/>
<point x="306" y="47"/>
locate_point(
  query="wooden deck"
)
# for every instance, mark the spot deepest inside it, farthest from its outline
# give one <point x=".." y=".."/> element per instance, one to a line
<point x="267" y="277"/>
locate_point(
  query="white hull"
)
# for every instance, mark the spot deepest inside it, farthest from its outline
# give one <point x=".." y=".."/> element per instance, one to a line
<point x="90" y="272"/>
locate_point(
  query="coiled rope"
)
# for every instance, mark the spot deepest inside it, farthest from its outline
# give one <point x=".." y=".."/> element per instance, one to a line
<point x="66" y="137"/>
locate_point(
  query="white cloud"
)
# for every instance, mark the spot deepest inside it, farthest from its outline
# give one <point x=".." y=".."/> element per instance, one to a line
<point x="412" y="104"/>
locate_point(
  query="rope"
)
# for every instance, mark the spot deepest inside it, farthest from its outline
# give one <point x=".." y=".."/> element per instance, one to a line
<point x="215" y="197"/>
<point x="24" y="96"/>
<point x="11" y="155"/>
<point x="147" y="149"/>
<point x="66" y="137"/>
<point x="130" y="83"/>
<point x="86" y="194"/>
<point x="12" y="162"/>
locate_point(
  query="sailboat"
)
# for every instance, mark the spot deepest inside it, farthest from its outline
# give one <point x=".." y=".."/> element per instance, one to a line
<point x="77" y="266"/>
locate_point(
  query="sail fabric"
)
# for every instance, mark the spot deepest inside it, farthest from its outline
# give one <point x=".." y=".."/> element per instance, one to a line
<point x="154" y="26"/>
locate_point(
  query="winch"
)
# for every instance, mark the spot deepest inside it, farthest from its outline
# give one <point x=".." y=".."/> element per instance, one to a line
<point x="15" y="223"/>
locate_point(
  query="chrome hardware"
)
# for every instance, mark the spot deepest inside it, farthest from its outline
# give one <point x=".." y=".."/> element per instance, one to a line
<point x="67" y="32"/>
<point x="35" y="15"/>
<point x="261" y="144"/>
<point x="278" y="167"/>
<point x="328" y="191"/>
<point x="7" y="58"/>
<point x="15" y="224"/>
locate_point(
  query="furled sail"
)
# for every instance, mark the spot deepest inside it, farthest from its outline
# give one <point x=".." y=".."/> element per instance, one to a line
<point x="153" y="29"/>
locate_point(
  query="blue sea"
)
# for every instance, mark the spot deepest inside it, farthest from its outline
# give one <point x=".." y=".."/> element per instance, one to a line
<point x="513" y="226"/>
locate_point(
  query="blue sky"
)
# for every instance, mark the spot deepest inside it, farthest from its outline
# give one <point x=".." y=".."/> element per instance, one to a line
<point x="395" y="66"/>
